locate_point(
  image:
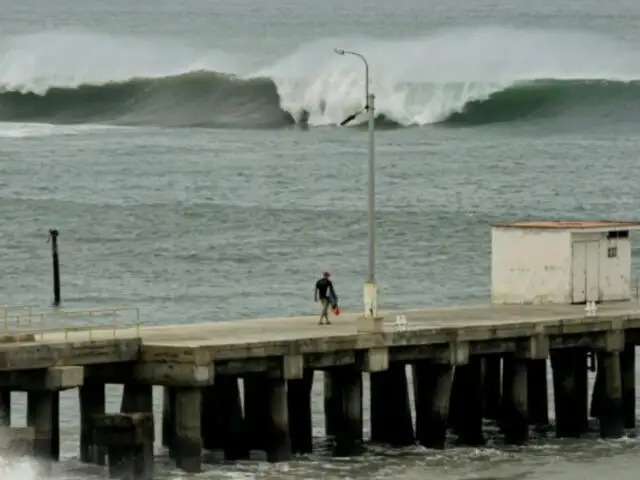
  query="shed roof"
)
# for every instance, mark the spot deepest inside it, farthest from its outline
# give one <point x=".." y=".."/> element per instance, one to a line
<point x="575" y="225"/>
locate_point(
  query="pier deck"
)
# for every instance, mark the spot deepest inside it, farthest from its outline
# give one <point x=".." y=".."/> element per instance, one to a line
<point x="272" y="337"/>
<point x="468" y="363"/>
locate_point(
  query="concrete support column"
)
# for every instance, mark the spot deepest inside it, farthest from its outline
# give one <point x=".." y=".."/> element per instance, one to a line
<point x="349" y="435"/>
<point x="300" y="417"/>
<point x="432" y="394"/>
<point x="128" y="439"/>
<point x="43" y="414"/>
<point x="279" y="445"/>
<point x="515" y="422"/>
<point x="332" y="404"/>
<point x="5" y="407"/>
<point x="256" y="411"/>
<point x="17" y="442"/>
<point x="136" y="398"/>
<point x="492" y="386"/>
<point x="570" y="387"/>
<point x="628" y="367"/>
<point x="187" y="443"/>
<point x="168" y="410"/>
<point x="467" y="403"/>
<point x="611" y="415"/>
<point x="92" y="402"/>
<point x="391" y="420"/>
<point x="598" y="388"/>
<point x="211" y="423"/>
<point x="230" y="418"/>
<point x="538" y="394"/>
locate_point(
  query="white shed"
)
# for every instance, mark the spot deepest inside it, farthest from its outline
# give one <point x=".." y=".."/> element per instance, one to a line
<point x="561" y="262"/>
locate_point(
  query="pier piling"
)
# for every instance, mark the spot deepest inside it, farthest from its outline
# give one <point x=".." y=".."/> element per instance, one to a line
<point x="391" y="420"/>
<point x="515" y="423"/>
<point x="467" y="403"/>
<point x="628" y="367"/>
<point x="168" y="409"/>
<point x="230" y="418"/>
<point x="537" y="394"/>
<point x="332" y="403"/>
<point x="349" y="435"/>
<point x="611" y="413"/>
<point x="92" y="402"/>
<point x="5" y="407"/>
<point x="128" y="439"/>
<point x="569" y="368"/>
<point x="256" y="411"/>
<point x="43" y="415"/>
<point x="432" y="393"/>
<point x="17" y="442"/>
<point x="211" y="419"/>
<point x="136" y="398"/>
<point x="491" y="386"/>
<point x="300" y="413"/>
<point x="187" y="442"/>
<point x="279" y="446"/>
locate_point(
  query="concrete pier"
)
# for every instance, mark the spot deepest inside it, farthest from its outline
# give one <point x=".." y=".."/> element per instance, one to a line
<point x="515" y="420"/>
<point x="230" y="424"/>
<point x="187" y="442"/>
<point x="279" y="439"/>
<point x="569" y="384"/>
<point x="5" y="406"/>
<point x="433" y="383"/>
<point x="611" y="414"/>
<point x="537" y="394"/>
<point x="491" y="386"/>
<point x="348" y="437"/>
<point x="469" y="365"/>
<point x="128" y="439"/>
<point x="466" y="401"/>
<point x="256" y="412"/>
<point x="300" y="413"/>
<point x="391" y="421"/>
<point x="92" y="403"/>
<point x="17" y="442"/>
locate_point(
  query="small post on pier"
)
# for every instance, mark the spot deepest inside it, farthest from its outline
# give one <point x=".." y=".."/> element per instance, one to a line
<point x="53" y="238"/>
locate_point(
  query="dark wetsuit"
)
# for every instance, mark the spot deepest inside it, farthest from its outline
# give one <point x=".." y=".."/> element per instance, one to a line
<point x="327" y="296"/>
<point x="324" y="287"/>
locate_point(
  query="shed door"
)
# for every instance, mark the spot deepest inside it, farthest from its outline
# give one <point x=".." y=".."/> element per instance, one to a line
<point x="586" y="271"/>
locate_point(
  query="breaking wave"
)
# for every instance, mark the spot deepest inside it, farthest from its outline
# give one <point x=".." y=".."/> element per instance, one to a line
<point x="457" y="78"/>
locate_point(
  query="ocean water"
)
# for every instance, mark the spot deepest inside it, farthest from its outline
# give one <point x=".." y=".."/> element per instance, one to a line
<point x="164" y="140"/>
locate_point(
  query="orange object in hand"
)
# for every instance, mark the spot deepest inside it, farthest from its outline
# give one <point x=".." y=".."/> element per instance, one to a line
<point x="336" y="310"/>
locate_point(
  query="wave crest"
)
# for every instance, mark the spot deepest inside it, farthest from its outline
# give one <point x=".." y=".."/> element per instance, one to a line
<point x="456" y="78"/>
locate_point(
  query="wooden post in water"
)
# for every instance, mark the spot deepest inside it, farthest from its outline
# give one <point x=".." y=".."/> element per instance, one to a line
<point x="53" y="237"/>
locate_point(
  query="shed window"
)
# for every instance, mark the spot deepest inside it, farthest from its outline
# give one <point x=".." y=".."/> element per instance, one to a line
<point x="612" y="252"/>
<point x="618" y="234"/>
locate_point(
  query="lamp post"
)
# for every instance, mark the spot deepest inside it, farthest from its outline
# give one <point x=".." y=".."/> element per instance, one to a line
<point x="370" y="287"/>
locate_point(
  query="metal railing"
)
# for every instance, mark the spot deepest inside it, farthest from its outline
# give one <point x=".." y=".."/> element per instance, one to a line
<point x="6" y="310"/>
<point x="67" y="322"/>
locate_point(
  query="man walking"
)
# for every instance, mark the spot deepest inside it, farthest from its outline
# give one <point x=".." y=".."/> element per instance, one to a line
<point x="325" y="292"/>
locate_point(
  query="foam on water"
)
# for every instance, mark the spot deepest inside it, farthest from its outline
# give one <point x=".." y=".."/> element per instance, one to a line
<point x="18" y="469"/>
<point x="71" y="77"/>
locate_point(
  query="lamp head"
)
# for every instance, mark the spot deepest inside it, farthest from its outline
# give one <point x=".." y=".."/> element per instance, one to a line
<point x="339" y="51"/>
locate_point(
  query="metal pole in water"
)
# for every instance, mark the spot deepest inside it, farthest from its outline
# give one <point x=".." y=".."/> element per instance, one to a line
<point x="53" y="237"/>
<point x="370" y="286"/>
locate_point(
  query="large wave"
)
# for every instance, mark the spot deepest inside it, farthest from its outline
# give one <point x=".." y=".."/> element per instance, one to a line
<point x="459" y="77"/>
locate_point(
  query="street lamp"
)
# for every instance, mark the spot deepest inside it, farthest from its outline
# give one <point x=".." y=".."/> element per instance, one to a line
<point x="370" y="288"/>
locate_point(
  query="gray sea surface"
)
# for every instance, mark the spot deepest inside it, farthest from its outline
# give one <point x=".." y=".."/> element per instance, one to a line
<point x="163" y="139"/>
